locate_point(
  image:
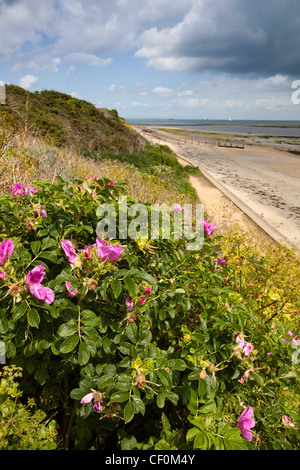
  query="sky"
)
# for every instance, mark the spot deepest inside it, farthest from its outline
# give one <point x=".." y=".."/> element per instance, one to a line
<point x="180" y="59"/>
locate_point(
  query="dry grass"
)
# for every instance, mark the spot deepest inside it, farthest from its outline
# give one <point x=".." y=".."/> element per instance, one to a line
<point x="26" y="160"/>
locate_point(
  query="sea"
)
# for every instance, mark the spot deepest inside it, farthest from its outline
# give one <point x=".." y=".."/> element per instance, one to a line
<point x="230" y="126"/>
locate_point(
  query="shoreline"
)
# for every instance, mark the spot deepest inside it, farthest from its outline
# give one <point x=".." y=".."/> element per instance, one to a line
<point x="262" y="181"/>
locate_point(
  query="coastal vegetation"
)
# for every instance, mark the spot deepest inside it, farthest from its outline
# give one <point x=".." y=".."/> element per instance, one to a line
<point x="132" y="344"/>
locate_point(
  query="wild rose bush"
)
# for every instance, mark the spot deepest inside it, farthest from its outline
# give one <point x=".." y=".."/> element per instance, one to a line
<point x="137" y="344"/>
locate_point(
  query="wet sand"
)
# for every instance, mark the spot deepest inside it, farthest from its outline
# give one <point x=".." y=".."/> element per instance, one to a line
<point x="262" y="180"/>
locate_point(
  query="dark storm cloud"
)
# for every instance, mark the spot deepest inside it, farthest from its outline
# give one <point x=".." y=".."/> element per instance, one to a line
<point x="235" y="36"/>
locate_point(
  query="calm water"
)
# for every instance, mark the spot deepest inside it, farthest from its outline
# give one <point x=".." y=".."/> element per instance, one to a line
<point x="273" y="128"/>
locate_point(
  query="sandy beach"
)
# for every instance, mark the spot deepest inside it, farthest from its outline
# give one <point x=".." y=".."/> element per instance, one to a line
<point x="259" y="181"/>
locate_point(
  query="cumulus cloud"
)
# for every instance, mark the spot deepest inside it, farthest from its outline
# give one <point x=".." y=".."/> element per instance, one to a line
<point x="162" y="91"/>
<point x="28" y="81"/>
<point x="87" y="59"/>
<point x="230" y="36"/>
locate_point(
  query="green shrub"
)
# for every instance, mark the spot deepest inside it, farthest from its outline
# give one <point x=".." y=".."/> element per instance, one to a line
<point x="22" y="426"/>
<point x="153" y="350"/>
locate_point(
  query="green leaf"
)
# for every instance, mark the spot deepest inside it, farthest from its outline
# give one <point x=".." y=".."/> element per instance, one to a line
<point x="19" y="311"/>
<point x="49" y="256"/>
<point x="16" y="210"/>
<point x="162" y="444"/>
<point x="47" y="243"/>
<point x="160" y="399"/>
<point x="233" y="440"/>
<point x="208" y="408"/>
<point x="202" y="387"/>
<point x="104" y="381"/>
<point x="132" y="332"/>
<point x="76" y="394"/>
<point x="67" y="329"/>
<point x="129" y="412"/>
<point x="35" y="246"/>
<point x="116" y="286"/>
<point x="128" y="443"/>
<point x="69" y="344"/>
<point x="89" y="318"/>
<point x="146" y="277"/>
<point x="84" y="354"/>
<point x="64" y="276"/>
<point x="139" y="404"/>
<point x="33" y="318"/>
<point x="191" y="434"/>
<point x="177" y="364"/>
<point x="41" y="375"/>
<point x="200" y="441"/>
<point x="130" y="285"/>
<point x="165" y="377"/>
<point x="119" y="396"/>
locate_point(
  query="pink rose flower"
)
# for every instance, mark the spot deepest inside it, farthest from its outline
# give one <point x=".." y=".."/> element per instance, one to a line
<point x="87" y="398"/>
<point x="287" y="421"/>
<point x="18" y="189"/>
<point x="36" y="275"/>
<point x="33" y="281"/>
<point x="69" y="250"/>
<point x="2" y="275"/>
<point x="91" y="396"/>
<point x="6" y="250"/>
<point x="178" y="208"/>
<point x="42" y="293"/>
<point x="148" y="290"/>
<point x="129" y="303"/>
<point x="245" y="422"/>
<point x="73" y="292"/>
<point x="208" y="227"/>
<point x="111" y="252"/>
